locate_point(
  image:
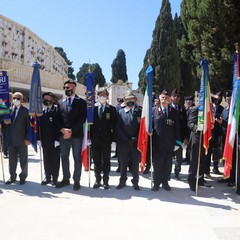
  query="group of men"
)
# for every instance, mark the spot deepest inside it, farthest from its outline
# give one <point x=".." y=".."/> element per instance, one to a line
<point x="61" y="129"/>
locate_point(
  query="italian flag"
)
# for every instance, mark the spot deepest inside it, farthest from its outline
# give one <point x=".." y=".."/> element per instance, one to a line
<point x="85" y="146"/>
<point x="205" y="112"/>
<point x="233" y="120"/>
<point x="146" y="119"/>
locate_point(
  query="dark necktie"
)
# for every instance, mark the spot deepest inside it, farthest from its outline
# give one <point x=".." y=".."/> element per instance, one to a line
<point x="69" y="104"/>
<point x="13" y="114"/>
<point x="165" y="113"/>
<point x="101" y="112"/>
<point x="131" y="114"/>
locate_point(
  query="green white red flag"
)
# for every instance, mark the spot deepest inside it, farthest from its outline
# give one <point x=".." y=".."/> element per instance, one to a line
<point x="233" y="119"/>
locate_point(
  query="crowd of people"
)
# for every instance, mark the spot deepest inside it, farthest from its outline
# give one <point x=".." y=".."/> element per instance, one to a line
<point x="61" y="131"/>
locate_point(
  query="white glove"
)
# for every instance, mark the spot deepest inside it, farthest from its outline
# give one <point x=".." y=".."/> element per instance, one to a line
<point x="39" y="143"/>
<point x="184" y="146"/>
<point x="56" y="144"/>
<point x="176" y="148"/>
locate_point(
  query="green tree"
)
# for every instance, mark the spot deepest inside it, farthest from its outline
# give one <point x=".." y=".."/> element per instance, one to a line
<point x="69" y="63"/>
<point x="119" y="69"/>
<point x="99" y="78"/>
<point x="212" y="27"/>
<point x="163" y="53"/>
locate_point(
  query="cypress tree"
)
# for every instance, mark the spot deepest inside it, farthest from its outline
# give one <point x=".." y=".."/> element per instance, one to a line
<point x="119" y="69"/>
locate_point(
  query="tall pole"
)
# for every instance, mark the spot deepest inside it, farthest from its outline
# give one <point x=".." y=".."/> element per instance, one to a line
<point x="151" y="161"/>
<point x="1" y="148"/>
<point x="199" y="159"/>
<point x="237" y="164"/>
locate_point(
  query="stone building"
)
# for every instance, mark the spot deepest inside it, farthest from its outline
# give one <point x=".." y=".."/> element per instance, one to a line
<point x="19" y="48"/>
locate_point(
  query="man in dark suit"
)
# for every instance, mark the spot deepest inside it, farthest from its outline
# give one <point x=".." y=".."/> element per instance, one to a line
<point x="71" y="117"/>
<point x="128" y="123"/>
<point x="49" y="136"/>
<point x="17" y="139"/>
<point x="195" y="141"/>
<point x="165" y="134"/>
<point x="175" y="103"/>
<point x="102" y="134"/>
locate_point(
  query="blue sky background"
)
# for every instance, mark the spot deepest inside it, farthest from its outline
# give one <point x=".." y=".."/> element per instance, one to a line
<point x="92" y="30"/>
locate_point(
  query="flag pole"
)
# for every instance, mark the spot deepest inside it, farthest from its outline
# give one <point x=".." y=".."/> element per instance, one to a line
<point x="237" y="157"/>
<point x="40" y="150"/>
<point x="199" y="159"/>
<point x="89" y="157"/>
<point x="2" y="157"/>
<point x="151" y="161"/>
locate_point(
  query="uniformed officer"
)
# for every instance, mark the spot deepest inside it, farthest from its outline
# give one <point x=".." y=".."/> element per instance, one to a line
<point x="102" y="135"/>
<point x="128" y="123"/>
<point x="49" y="137"/>
<point x="175" y="103"/>
<point x="165" y="134"/>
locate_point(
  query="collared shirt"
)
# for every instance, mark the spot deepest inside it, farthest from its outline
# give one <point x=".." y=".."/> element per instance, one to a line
<point x="164" y="110"/>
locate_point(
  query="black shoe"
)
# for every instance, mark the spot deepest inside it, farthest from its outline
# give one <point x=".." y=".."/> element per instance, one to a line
<point x="154" y="188"/>
<point x="177" y="176"/>
<point x="96" y="185"/>
<point x="114" y="156"/>
<point x="46" y="181"/>
<point x="231" y="184"/>
<point x="204" y="184"/>
<point x="223" y="180"/>
<point x="10" y="181"/>
<point x="118" y="170"/>
<point x="135" y="185"/>
<point x="63" y="183"/>
<point x="216" y="171"/>
<point x="146" y="171"/>
<point x="106" y="186"/>
<point x="166" y="187"/>
<point x="76" y="185"/>
<point x="54" y="183"/>
<point x="22" y="181"/>
<point x="121" y="185"/>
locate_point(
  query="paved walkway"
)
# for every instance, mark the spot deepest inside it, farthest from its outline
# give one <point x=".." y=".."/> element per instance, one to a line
<point x="32" y="211"/>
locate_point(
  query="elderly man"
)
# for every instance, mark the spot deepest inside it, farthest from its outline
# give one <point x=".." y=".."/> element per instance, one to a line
<point x="128" y="123"/>
<point x="18" y="139"/>
<point x="71" y="117"/>
<point x="165" y="134"/>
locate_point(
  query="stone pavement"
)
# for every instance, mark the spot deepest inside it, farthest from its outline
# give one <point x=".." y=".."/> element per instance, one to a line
<point x="34" y="212"/>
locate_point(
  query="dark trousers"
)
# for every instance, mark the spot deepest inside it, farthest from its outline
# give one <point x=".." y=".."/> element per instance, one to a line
<point x="51" y="160"/>
<point x="129" y="153"/>
<point x="4" y="140"/>
<point x="65" y="146"/>
<point x="192" y="172"/>
<point x="101" y="158"/>
<point x="162" y="166"/>
<point x="22" y="153"/>
<point x="178" y="162"/>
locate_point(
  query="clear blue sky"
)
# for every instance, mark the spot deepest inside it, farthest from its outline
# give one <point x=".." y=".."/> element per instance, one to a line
<point x="92" y="30"/>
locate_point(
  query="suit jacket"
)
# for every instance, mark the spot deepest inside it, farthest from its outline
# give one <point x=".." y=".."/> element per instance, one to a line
<point x="18" y="129"/>
<point x="126" y="127"/>
<point x="73" y="119"/>
<point x="48" y="127"/>
<point x="165" y="130"/>
<point x="184" y="133"/>
<point x="104" y="130"/>
<point x="192" y="124"/>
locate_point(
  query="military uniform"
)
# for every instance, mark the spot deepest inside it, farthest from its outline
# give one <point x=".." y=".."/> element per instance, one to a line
<point x="127" y="128"/>
<point x="49" y="135"/>
<point x="165" y="134"/>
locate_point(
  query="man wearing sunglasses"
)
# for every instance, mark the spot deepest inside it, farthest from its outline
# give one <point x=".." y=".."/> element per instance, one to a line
<point x="17" y="139"/>
<point x="72" y="116"/>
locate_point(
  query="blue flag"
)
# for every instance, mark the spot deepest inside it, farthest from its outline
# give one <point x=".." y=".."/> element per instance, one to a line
<point x="33" y="131"/>
<point x="35" y="95"/>
<point x="90" y="96"/>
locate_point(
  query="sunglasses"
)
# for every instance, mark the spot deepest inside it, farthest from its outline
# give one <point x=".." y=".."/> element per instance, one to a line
<point x="16" y="98"/>
<point x="176" y="95"/>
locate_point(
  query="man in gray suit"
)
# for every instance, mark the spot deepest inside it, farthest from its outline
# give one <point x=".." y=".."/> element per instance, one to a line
<point x="17" y="139"/>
